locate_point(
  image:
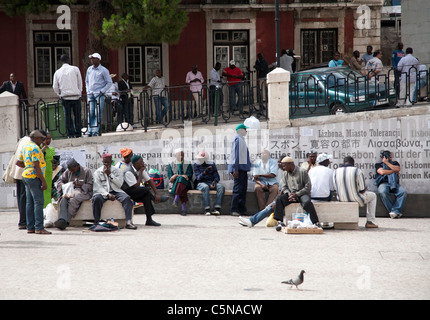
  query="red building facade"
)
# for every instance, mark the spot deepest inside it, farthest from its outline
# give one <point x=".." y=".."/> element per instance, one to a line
<point x="217" y="30"/>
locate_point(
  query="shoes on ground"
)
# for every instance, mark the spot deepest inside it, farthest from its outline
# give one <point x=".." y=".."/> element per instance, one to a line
<point x="280" y="226"/>
<point x="152" y="223"/>
<point x="60" y="224"/>
<point x="370" y="224"/>
<point x="245" y="222"/>
<point x="42" y="231"/>
<point x="395" y="215"/>
<point x="183" y="213"/>
<point x="216" y="211"/>
<point x="130" y="225"/>
<point x="235" y="214"/>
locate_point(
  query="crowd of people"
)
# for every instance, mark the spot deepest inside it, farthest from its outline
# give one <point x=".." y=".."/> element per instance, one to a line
<point x="40" y="180"/>
<point x="409" y="74"/>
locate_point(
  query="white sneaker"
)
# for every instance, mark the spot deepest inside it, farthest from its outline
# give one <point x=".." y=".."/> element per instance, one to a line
<point x="393" y="215"/>
<point x="216" y="212"/>
<point x="245" y="222"/>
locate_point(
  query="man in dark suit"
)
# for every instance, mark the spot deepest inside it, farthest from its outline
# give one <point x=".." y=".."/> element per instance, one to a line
<point x="15" y="87"/>
<point x="124" y="87"/>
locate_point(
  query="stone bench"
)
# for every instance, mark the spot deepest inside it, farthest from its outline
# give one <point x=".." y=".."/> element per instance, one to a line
<point x="111" y="209"/>
<point x="344" y="215"/>
<point x="226" y="192"/>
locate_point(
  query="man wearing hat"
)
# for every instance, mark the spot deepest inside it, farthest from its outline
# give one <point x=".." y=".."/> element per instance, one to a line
<point x="234" y="76"/>
<point x="134" y="175"/>
<point x="97" y="83"/>
<point x="82" y="180"/>
<point x="322" y="178"/>
<point x="126" y="155"/>
<point x="108" y="181"/>
<point x="239" y="164"/>
<point x="207" y="178"/>
<point x="295" y="186"/>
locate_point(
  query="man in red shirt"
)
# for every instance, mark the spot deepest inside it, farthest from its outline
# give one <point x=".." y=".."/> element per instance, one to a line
<point x="234" y="76"/>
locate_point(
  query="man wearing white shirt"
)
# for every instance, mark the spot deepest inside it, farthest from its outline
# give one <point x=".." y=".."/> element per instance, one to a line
<point x="67" y="85"/>
<point x="322" y="179"/>
<point x="407" y="67"/>
<point x="159" y="93"/>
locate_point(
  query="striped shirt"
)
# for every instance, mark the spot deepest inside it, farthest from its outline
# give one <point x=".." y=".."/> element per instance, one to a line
<point x="348" y="182"/>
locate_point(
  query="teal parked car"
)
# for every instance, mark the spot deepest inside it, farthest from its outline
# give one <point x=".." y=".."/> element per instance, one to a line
<point x="325" y="91"/>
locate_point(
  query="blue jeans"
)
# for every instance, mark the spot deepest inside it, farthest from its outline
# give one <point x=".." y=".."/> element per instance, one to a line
<point x="95" y="114"/>
<point x="233" y="89"/>
<point x="204" y="187"/>
<point x="266" y="212"/>
<point x="34" y="206"/>
<point x="160" y="113"/>
<point x="418" y="85"/>
<point x="385" y="194"/>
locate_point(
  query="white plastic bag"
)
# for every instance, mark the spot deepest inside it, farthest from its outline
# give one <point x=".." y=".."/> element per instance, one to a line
<point x="68" y="189"/>
<point x="51" y="215"/>
<point x="252" y="123"/>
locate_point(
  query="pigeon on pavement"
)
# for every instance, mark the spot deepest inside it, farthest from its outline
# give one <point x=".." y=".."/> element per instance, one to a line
<point x="296" y="281"/>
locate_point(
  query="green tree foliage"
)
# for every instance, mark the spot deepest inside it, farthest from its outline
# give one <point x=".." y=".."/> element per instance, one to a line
<point x="143" y="21"/>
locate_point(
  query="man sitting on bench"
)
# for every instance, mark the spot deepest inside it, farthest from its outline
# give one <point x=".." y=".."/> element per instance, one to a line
<point x="134" y="175"/>
<point x="295" y="186"/>
<point x="107" y="186"/>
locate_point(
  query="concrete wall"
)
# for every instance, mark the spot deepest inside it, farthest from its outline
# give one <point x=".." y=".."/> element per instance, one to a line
<point x="406" y="132"/>
<point x="416" y="27"/>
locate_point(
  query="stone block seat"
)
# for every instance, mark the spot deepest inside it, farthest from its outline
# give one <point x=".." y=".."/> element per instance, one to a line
<point x="111" y="209"/>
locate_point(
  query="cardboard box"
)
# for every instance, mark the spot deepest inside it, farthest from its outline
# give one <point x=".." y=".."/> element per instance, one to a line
<point x="302" y="231"/>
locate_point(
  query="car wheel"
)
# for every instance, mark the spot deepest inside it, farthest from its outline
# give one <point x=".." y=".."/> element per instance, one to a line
<point x="338" y="108"/>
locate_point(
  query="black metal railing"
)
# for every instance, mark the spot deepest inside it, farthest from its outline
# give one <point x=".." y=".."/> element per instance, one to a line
<point x="341" y="90"/>
<point x="311" y="93"/>
<point x="208" y="105"/>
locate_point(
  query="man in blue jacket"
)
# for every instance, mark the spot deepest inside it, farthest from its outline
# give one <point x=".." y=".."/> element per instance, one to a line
<point x="239" y="165"/>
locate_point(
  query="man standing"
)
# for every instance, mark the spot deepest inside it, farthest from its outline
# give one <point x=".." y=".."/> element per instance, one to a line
<point x="322" y="178"/>
<point x="397" y="55"/>
<point x="387" y="181"/>
<point x="107" y="184"/>
<point x="234" y="76"/>
<point x="262" y="68"/>
<point x="33" y="162"/>
<point x="368" y="55"/>
<point x="134" y="175"/>
<point x="295" y="186"/>
<point x="286" y="61"/>
<point x="407" y="67"/>
<point x="195" y="79"/>
<point x="97" y="83"/>
<point x="69" y="204"/>
<point x="336" y="61"/>
<point x="239" y="164"/>
<point x="207" y="178"/>
<point x="215" y="89"/>
<point x="159" y="94"/>
<point x="15" y="87"/>
<point x="67" y="84"/>
<point x="125" y="89"/>
<point x="264" y="174"/>
<point x="350" y="186"/>
<point x="374" y="66"/>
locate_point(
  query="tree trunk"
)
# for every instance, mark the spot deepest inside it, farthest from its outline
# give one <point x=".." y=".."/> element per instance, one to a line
<point x="98" y="9"/>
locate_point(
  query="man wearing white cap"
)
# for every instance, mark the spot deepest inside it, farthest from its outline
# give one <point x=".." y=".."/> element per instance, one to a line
<point x="234" y="76"/>
<point x="97" y="83"/>
<point x="295" y="186"/>
<point x="207" y="178"/>
<point x="322" y="178"/>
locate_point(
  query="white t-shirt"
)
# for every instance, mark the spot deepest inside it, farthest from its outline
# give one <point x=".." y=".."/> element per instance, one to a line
<point x="321" y="180"/>
<point x="131" y="180"/>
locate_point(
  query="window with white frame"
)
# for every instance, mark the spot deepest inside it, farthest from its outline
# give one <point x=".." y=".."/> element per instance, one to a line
<point x="48" y="48"/>
<point x="141" y="62"/>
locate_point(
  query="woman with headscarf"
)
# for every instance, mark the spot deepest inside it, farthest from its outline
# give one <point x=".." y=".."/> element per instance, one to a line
<point x="180" y="173"/>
